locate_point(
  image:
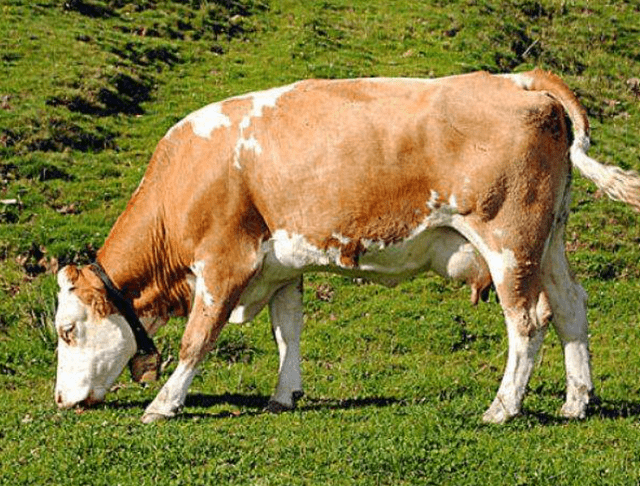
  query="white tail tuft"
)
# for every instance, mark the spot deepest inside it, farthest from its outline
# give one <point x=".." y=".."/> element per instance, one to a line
<point x="620" y="185"/>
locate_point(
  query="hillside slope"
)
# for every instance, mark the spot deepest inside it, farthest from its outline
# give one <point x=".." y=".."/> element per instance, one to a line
<point x="88" y="87"/>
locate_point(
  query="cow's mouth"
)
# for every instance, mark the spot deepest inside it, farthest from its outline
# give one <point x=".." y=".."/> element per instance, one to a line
<point x="88" y="402"/>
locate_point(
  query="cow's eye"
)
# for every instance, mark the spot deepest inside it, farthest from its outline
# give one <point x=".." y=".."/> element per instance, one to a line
<point x="66" y="333"/>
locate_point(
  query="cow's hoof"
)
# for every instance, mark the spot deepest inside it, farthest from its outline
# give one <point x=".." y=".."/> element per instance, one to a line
<point x="275" y="406"/>
<point x="577" y="403"/>
<point x="151" y="417"/>
<point x="497" y="413"/>
<point x="574" y="409"/>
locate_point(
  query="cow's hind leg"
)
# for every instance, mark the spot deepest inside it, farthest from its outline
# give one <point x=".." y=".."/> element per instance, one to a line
<point x="527" y="314"/>
<point x="216" y="293"/>
<point x="568" y="302"/>
<point x="526" y="328"/>
<point x="286" y="315"/>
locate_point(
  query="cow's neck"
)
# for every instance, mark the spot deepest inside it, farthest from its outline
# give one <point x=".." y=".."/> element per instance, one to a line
<point x="141" y="261"/>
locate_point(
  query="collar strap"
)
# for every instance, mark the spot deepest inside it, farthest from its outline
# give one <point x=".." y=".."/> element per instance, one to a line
<point x="125" y="307"/>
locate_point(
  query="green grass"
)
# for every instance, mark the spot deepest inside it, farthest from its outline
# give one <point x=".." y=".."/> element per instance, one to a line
<point x="396" y="379"/>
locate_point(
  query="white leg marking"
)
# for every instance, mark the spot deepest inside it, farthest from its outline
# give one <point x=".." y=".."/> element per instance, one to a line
<point x="522" y="348"/>
<point x="286" y="319"/>
<point x="569" y="305"/>
<point x="201" y="287"/>
<point x="499" y="263"/>
<point x="522" y="352"/>
<point x="172" y="395"/>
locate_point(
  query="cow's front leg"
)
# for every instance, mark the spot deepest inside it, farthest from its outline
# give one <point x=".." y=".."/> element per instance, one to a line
<point x="216" y="292"/>
<point x="285" y="310"/>
<point x="206" y="320"/>
<point x="172" y="395"/>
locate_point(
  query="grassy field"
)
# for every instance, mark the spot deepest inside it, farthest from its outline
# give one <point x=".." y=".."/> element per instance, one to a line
<point x="396" y="379"/>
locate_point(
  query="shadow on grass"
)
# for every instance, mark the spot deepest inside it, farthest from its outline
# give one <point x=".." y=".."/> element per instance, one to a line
<point x="309" y="404"/>
<point x="313" y="404"/>
<point x="257" y="404"/>
<point x="616" y="409"/>
<point x="253" y="405"/>
<point x="246" y="401"/>
<point x="602" y="409"/>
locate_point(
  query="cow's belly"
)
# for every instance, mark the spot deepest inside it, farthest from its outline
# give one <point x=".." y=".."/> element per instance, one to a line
<point x="285" y="257"/>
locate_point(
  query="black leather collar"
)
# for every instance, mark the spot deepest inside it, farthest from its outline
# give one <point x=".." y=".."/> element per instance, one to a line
<point x="125" y="307"/>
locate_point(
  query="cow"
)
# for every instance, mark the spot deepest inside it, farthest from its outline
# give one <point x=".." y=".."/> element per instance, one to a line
<point x="382" y="178"/>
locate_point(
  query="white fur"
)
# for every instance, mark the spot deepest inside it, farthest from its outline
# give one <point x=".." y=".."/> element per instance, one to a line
<point x="521" y="80"/>
<point x="520" y="361"/>
<point x="569" y="304"/>
<point x="93" y="352"/>
<point x="200" y="285"/>
<point x="286" y="312"/>
<point x="343" y="240"/>
<point x="432" y="203"/>
<point x="296" y="252"/>
<point x="172" y="395"/>
<point x="204" y="121"/>
<point x="250" y="144"/>
<point x="260" y="101"/>
<point x="266" y="99"/>
<point x="500" y="263"/>
<point x="286" y="256"/>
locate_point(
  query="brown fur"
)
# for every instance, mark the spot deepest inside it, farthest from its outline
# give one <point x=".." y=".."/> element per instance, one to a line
<point x="350" y="157"/>
<point x="90" y="291"/>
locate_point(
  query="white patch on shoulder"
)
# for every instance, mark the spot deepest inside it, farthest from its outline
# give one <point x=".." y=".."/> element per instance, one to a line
<point x="201" y="286"/>
<point x="204" y="121"/>
<point x="260" y="100"/>
<point x="267" y="99"/>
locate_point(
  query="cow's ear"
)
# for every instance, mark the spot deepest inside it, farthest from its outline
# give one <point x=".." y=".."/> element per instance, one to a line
<point x="100" y="306"/>
<point x="67" y="277"/>
<point x="91" y="290"/>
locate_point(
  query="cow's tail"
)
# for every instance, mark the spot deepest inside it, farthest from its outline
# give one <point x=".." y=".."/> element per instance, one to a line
<point x="618" y="184"/>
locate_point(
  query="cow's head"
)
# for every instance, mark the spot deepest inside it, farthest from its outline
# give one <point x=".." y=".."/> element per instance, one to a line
<point x="94" y="340"/>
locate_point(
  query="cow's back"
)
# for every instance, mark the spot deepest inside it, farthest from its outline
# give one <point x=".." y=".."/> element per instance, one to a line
<point x="373" y="158"/>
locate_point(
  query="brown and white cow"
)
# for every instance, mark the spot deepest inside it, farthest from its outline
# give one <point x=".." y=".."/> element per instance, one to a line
<point x="379" y="178"/>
